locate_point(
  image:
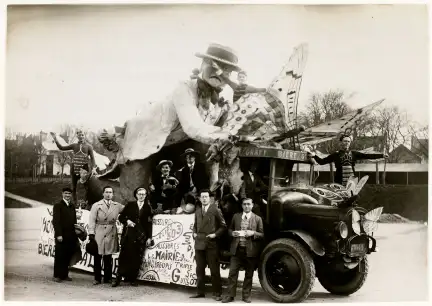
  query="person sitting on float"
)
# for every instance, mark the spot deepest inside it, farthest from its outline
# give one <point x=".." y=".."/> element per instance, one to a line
<point x="164" y="188"/>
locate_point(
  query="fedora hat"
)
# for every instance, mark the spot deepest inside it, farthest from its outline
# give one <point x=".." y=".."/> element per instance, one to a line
<point x="221" y="54"/>
<point x="190" y="151"/>
<point x="164" y="162"/>
<point x="80" y="232"/>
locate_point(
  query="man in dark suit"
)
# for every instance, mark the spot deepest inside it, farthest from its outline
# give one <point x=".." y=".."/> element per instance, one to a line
<point x="247" y="230"/>
<point x="64" y="220"/>
<point x="253" y="187"/>
<point x="193" y="177"/>
<point x="208" y="227"/>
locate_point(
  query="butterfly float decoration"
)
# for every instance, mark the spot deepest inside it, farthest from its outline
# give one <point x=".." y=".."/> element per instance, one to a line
<point x="271" y="117"/>
<point x="337" y="194"/>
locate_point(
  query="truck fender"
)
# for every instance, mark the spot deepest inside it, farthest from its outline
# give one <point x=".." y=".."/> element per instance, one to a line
<point x="311" y="241"/>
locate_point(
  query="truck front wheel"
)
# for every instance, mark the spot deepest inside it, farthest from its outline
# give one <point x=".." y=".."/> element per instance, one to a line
<point x="286" y="271"/>
<point x="344" y="282"/>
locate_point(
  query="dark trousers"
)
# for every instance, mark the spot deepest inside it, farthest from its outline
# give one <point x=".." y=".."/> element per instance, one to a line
<point x="75" y="178"/>
<point x="97" y="266"/>
<point x="208" y="257"/>
<point x="249" y="263"/>
<point x="63" y="254"/>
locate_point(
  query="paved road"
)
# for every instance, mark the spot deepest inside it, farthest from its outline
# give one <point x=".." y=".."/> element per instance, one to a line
<point x="397" y="272"/>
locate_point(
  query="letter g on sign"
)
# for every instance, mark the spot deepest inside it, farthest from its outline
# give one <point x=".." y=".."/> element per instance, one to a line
<point x="175" y="275"/>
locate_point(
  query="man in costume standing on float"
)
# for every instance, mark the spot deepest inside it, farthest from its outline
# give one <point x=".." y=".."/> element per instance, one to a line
<point x="345" y="159"/>
<point x="82" y="150"/>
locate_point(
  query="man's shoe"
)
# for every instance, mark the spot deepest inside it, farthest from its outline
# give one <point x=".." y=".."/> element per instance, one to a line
<point x="228" y="299"/>
<point x="197" y="296"/>
<point x="57" y="280"/>
<point x="247" y="299"/>
<point x="115" y="283"/>
<point x="68" y="279"/>
<point x="217" y="298"/>
<point x="95" y="283"/>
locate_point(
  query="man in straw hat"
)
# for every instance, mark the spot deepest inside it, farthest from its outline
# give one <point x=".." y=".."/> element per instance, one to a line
<point x="64" y="221"/>
<point x="164" y="187"/>
<point x="191" y="110"/>
<point x="193" y="177"/>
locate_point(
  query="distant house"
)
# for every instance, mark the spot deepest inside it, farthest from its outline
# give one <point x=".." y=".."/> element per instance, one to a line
<point x="402" y="154"/>
<point x="375" y="143"/>
<point x="420" y="147"/>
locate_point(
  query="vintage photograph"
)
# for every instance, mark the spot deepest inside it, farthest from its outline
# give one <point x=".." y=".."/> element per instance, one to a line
<point x="205" y="153"/>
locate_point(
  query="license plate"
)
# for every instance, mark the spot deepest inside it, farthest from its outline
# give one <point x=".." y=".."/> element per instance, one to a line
<point x="358" y="248"/>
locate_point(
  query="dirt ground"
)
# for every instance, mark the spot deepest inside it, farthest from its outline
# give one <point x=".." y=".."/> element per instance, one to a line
<point x="397" y="272"/>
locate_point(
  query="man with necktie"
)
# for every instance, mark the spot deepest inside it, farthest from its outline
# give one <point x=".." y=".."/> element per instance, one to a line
<point x="248" y="231"/>
<point x="64" y="220"/>
<point x="208" y="227"/>
<point x="103" y="229"/>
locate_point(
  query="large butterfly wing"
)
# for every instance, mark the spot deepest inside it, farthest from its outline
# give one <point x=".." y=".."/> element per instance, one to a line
<point x="274" y="112"/>
<point x="286" y="86"/>
<point x="331" y="129"/>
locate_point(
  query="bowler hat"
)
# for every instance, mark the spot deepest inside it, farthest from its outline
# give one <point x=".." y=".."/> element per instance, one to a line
<point x="81" y="232"/>
<point x="221" y="54"/>
<point x="164" y="162"/>
<point x="190" y="151"/>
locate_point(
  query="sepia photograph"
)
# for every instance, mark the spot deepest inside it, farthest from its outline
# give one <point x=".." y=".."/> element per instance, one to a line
<point x="216" y="153"/>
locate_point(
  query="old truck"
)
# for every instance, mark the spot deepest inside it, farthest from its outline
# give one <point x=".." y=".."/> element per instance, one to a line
<point x="310" y="231"/>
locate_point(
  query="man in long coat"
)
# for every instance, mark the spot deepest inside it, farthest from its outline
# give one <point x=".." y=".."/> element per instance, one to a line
<point x="64" y="220"/>
<point x="136" y="218"/>
<point x="102" y="228"/>
<point x="208" y="227"/>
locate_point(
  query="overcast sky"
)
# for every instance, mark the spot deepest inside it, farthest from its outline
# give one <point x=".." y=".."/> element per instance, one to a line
<point x="95" y="66"/>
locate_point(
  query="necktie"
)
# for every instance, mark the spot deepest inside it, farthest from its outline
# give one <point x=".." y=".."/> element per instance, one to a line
<point x="245" y="217"/>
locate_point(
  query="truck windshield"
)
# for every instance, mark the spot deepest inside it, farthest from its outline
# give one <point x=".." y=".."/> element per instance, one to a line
<point x="289" y="173"/>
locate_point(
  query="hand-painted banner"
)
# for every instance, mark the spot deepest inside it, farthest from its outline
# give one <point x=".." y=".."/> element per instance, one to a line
<point x="170" y="260"/>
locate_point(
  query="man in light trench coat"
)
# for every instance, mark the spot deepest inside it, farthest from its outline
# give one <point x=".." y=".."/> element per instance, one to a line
<point x="102" y="228"/>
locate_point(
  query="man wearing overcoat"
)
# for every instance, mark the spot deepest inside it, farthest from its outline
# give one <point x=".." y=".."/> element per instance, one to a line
<point x="103" y="229"/>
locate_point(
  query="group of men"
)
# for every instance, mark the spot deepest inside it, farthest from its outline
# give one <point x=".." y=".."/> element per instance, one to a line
<point x="246" y="230"/>
<point x="168" y="191"/>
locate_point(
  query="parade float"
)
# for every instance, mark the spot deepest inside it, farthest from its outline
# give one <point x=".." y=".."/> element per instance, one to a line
<point x="310" y="231"/>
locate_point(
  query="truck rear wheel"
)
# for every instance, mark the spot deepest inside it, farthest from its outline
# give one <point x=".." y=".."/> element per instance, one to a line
<point x="286" y="271"/>
<point x="343" y="282"/>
